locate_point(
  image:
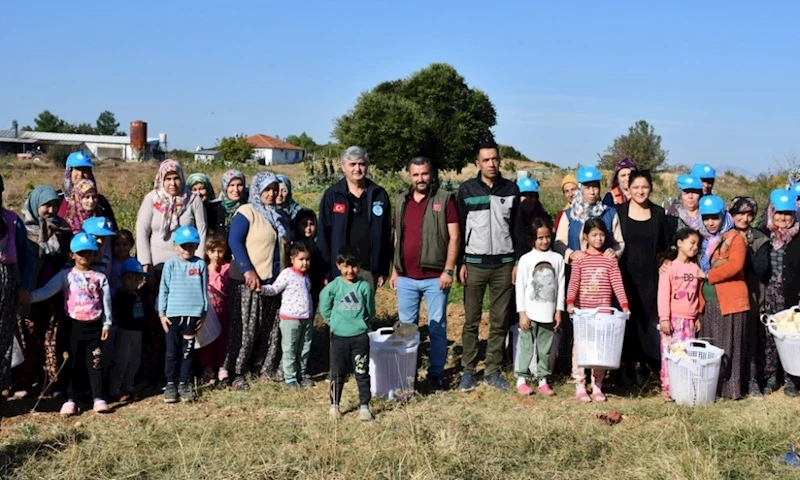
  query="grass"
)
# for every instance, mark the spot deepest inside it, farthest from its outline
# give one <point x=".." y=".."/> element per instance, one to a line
<point x="275" y="434"/>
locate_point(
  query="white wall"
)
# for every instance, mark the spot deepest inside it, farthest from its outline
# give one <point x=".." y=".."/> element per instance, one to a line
<point x="272" y="156"/>
<point x="102" y="151"/>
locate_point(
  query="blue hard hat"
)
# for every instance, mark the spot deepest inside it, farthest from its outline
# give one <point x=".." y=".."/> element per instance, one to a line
<point x="132" y="265"/>
<point x="689" y="182"/>
<point x="588" y="174"/>
<point x="79" y="159"/>
<point x="98" y="226"/>
<point x="528" y="185"/>
<point x="712" y="205"/>
<point x="187" y="234"/>
<point x="783" y="200"/>
<point x="703" y="170"/>
<point x="82" y="242"/>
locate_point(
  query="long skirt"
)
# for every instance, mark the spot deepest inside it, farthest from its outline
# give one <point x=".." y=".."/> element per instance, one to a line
<point x="44" y="337"/>
<point x="728" y="332"/>
<point x="253" y="333"/>
<point x="8" y="319"/>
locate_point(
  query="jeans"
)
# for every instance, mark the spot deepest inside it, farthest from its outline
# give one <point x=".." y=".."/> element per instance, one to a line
<point x="296" y="338"/>
<point x="498" y="280"/>
<point x="409" y="294"/>
<point x="180" y="350"/>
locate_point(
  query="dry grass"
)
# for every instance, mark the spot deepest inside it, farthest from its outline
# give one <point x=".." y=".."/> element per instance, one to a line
<point x="272" y="434"/>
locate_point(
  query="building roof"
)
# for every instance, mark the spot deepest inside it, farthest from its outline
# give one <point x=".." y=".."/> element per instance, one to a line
<point x="8" y="136"/>
<point x="206" y="152"/>
<point x="76" y="137"/>
<point x="260" y="140"/>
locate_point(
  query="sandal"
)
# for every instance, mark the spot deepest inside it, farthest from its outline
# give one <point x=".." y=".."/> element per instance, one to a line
<point x="598" y="395"/>
<point x="583" y="396"/>
<point x="240" y="384"/>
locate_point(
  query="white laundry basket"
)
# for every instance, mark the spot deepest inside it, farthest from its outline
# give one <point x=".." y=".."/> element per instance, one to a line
<point x="599" y="334"/>
<point x="392" y="364"/>
<point x="532" y="368"/>
<point x="787" y="344"/>
<point x="693" y="378"/>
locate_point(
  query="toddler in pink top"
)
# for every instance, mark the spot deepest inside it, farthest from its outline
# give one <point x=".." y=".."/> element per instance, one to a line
<point x="679" y="299"/>
<point x="212" y="356"/>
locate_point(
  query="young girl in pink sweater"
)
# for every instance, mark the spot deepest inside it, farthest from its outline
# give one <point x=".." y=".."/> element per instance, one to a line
<point x="212" y="356"/>
<point x="679" y="298"/>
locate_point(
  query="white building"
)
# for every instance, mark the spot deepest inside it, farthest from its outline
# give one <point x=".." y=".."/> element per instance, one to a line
<point x="100" y="147"/>
<point x="271" y="151"/>
<point x="206" y="155"/>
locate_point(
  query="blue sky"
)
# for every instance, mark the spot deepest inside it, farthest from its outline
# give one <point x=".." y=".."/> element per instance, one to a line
<point x="718" y="80"/>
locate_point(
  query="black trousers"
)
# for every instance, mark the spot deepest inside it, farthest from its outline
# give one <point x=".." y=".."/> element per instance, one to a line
<point x="180" y="351"/>
<point x="350" y="355"/>
<point x="84" y="346"/>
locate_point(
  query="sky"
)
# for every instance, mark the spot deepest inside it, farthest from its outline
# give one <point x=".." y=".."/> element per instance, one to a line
<point x="718" y="80"/>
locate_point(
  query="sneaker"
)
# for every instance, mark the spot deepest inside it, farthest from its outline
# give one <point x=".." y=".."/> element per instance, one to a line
<point x="524" y="390"/>
<point x="545" y="390"/>
<point x="467" y="383"/>
<point x="364" y="414"/>
<point x="20" y="394"/>
<point x="789" y="388"/>
<point x="334" y="413"/>
<point x="307" y="383"/>
<point x="753" y="391"/>
<point x="598" y="395"/>
<point x="582" y="396"/>
<point x="69" y="408"/>
<point x="171" y="393"/>
<point x="772" y="386"/>
<point x="100" y="406"/>
<point x="497" y="381"/>
<point x="292" y="385"/>
<point x="185" y="392"/>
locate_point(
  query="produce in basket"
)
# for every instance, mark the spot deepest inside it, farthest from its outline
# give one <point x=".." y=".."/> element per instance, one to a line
<point x="679" y="350"/>
<point x="787" y="322"/>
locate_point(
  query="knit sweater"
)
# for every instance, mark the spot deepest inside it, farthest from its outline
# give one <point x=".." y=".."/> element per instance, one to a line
<point x="679" y="291"/>
<point x="255" y="245"/>
<point x="727" y="274"/>
<point x="540" y="285"/>
<point x="87" y="295"/>
<point x="594" y="279"/>
<point x="151" y="247"/>
<point x="184" y="288"/>
<point x="296" y="302"/>
<point x="347" y="307"/>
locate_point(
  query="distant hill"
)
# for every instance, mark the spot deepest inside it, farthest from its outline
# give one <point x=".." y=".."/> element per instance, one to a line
<point x="736" y="171"/>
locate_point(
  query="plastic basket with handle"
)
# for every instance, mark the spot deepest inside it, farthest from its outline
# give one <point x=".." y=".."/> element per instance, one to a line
<point x="786" y="342"/>
<point x="392" y="364"/>
<point x="693" y="377"/>
<point x="599" y="334"/>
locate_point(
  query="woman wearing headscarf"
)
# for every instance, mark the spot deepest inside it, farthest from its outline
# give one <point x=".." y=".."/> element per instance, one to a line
<point x="79" y="167"/>
<point x="43" y="339"/>
<point x="232" y="195"/>
<point x="285" y="200"/>
<point x="646" y="233"/>
<point x="200" y="186"/>
<point x="81" y="204"/>
<point x="783" y="287"/>
<point x="723" y="254"/>
<point x="620" y="182"/>
<point x="258" y="235"/>
<point x="15" y="273"/>
<point x="569" y="187"/>
<point x="167" y="207"/>
<point x="685" y="213"/>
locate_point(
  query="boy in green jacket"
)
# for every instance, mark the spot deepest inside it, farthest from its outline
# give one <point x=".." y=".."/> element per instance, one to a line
<point x="347" y="305"/>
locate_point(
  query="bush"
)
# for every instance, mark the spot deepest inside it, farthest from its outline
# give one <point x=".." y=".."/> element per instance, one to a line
<point x="58" y="154"/>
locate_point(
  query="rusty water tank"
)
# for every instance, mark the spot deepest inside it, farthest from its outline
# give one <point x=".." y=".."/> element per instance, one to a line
<point x="138" y="139"/>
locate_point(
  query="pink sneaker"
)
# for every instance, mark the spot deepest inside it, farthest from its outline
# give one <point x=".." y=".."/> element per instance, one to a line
<point x="68" y="408"/>
<point x="100" y="406"/>
<point x="583" y="396"/>
<point x="524" y="390"/>
<point x="597" y="395"/>
<point x="545" y="390"/>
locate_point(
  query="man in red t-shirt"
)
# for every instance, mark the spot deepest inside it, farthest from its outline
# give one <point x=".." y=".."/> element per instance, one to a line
<point x="427" y="243"/>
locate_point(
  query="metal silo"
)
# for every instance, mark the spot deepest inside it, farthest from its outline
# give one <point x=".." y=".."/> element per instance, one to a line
<point x="138" y="139"/>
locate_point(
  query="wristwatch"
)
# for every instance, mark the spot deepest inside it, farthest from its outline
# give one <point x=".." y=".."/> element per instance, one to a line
<point x="449" y="272"/>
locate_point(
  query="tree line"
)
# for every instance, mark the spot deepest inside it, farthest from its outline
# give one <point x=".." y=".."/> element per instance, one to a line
<point x="46" y="121"/>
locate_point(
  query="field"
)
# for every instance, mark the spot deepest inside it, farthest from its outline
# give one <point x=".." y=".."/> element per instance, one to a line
<point x="271" y="433"/>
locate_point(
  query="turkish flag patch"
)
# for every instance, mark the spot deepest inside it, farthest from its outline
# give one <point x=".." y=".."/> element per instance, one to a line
<point x="339" y="207"/>
<point x="437" y="207"/>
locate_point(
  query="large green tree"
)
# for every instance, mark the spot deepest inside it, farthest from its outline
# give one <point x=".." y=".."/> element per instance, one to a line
<point x="106" y="124"/>
<point x="234" y="149"/>
<point x="432" y="113"/>
<point x="48" y="122"/>
<point x="303" y="141"/>
<point x="640" y="144"/>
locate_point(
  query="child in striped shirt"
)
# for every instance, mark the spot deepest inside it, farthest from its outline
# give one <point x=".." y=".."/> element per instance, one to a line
<point x="595" y="277"/>
<point x="182" y="307"/>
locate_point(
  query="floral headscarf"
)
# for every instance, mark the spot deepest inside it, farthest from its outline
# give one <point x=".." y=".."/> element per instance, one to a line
<point x="270" y="212"/>
<point x="583" y="211"/>
<point x="196" y="178"/>
<point x="780" y="236"/>
<point x="76" y="215"/>
<point x="711" y="241"/>
<point x="42" y="230"/>
<point x="229" y="205"/>
<point x="168" y="206"/>
<point x="290" y="206"/>
<point x="793" y="177"/>
<point x="68" y="186"/>
<point x="744" y="205"/>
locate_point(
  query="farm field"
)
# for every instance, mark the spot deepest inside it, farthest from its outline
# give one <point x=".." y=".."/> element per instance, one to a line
<point x="273" y="433"/>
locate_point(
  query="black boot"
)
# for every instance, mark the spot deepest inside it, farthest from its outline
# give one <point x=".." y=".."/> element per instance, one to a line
<point x="772" y="386"/>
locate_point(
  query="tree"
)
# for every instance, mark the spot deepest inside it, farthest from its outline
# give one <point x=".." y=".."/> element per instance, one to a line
<point x="47" y="122"/>
<point x="234" y="149"/>
<point x="83" y="128"/>
<point x="432" y="112"/>
<point x="303" y="141"/>
<point x="641" y="145"/>
<point x="106" y="124"/>
<point x="507" y="151"/>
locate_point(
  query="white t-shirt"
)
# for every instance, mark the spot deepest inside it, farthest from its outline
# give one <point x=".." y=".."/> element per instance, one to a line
<point x="540" y="285"/>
